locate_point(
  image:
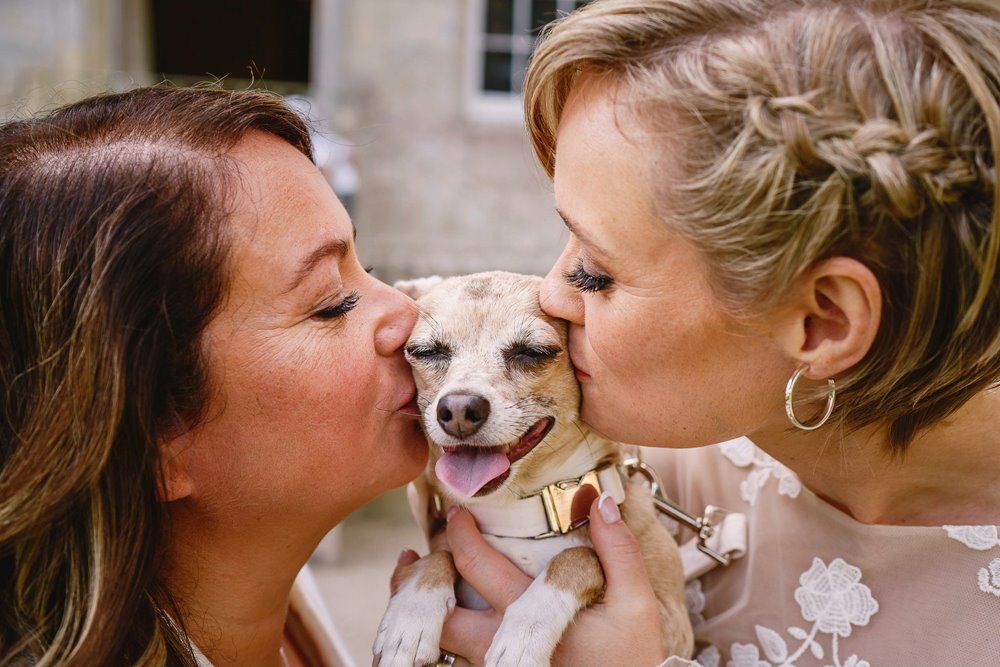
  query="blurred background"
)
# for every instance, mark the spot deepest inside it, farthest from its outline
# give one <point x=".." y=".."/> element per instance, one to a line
<point x="418" y="127"/>
<point x="416" y="103"/>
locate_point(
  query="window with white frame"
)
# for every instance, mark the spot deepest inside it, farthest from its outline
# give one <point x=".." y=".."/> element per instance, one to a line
<point x="502" y="36"/>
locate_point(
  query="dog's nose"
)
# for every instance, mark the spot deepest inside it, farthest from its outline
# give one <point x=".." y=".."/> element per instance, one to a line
<point x="461" y="415"/>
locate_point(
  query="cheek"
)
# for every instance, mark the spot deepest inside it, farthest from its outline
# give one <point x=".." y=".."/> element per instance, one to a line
<point x="623" y="338"/>
<point x="343" y="394"/>
<point x="656" y="347"/>
<point x="285" y="388"/>
<point x="313" y="419"/>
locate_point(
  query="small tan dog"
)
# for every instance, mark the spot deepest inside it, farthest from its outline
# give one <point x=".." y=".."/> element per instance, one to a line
<point x="499" y="402"/>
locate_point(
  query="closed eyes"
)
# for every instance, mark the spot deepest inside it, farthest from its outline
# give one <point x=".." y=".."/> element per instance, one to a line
<point x="434" y="352"/>
<point x="340" y="309"/>
<point x="527" y="355"/>
<point x="582" y="281"/>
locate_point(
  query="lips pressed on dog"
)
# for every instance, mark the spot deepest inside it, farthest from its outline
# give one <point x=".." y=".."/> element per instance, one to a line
<point x="498" y="400"/>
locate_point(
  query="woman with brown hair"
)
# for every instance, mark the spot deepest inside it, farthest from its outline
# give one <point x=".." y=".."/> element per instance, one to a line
<point x="198" y="378"/>
<point x="783" y="224"/>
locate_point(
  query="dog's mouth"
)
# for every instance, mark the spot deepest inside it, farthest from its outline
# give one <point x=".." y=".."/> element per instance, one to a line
<point x="477" y="471"/>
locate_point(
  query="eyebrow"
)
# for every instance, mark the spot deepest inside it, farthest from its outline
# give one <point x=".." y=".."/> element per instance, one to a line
<point x="580" y="234"/>
<point x="336" y="248"/>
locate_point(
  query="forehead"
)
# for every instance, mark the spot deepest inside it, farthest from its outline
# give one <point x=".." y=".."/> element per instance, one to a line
<point x="607" y="176"/>
<point x="283" y="207"/>
<point x="486" y="306"/>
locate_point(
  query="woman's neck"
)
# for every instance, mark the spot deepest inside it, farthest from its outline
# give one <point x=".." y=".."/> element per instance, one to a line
<point x="949" y="474"/>
<point x="233" y="597"/>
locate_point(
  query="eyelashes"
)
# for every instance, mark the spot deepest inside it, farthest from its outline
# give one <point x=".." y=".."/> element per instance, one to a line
<point x="345" y="306"/>
<point x="582" y="281"/>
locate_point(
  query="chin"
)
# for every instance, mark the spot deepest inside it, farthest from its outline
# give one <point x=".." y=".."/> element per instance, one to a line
<point x="414" y="451"/>
<point x="604" y="422"/>
<point x="608" y="422"/>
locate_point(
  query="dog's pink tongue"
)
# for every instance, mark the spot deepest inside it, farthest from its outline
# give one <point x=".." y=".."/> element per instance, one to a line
<point x="468" y="469"/>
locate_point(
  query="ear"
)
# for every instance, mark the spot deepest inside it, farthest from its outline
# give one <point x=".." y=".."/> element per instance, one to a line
<point x="833" y="318"/>
<point x="417" y="287"/>
<point x="175" y="482"/>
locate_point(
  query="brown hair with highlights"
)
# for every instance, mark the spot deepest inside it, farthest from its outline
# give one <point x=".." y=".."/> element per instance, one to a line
<point x="803" y="130"/>
<point x="113" y="258"/>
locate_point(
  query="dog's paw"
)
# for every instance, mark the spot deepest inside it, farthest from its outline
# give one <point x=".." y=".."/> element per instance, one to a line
<point x="532" y="627"/>
<point x="410" y="632"/>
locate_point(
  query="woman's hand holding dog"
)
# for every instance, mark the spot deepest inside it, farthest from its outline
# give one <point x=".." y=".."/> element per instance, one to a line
<point x="623" y="629"/>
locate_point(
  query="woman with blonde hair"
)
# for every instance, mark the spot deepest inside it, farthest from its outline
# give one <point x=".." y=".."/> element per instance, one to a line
<point x="197" y="381"/>
<point x="783" y="224"/>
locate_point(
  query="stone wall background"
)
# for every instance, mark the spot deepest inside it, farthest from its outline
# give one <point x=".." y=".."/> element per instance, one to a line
<point x="441" y="191"/>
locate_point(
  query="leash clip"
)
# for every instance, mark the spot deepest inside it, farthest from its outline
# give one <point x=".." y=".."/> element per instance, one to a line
<point x="703" y="526"/>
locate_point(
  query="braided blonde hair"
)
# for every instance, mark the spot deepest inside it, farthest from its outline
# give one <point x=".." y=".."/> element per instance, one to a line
<point x="804" y="130"/>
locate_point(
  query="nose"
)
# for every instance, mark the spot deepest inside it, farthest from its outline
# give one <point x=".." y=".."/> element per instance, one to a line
<point x="461" y="415"/>
<point x="557" y="297"/>
<point x="397" y="320"/>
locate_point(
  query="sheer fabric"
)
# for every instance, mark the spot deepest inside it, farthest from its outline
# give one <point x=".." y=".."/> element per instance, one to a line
<point x="819" y="589"/>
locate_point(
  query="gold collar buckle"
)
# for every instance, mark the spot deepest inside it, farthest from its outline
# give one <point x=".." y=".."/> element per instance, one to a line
<point x="558" y="502"/>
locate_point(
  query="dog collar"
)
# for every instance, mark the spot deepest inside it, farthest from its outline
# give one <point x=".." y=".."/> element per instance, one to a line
<point x="547" y="512"/>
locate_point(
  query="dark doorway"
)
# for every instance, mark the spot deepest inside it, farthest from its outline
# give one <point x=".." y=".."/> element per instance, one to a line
<point x="240" y="39"/>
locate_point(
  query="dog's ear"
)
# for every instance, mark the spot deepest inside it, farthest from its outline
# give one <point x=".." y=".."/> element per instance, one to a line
<point x="417" y="287"/>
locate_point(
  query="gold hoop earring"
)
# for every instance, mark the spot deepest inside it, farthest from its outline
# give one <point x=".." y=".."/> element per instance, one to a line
<point x="790" y="409"/>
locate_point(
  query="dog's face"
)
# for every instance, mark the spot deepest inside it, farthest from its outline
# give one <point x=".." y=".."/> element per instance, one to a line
<point x="494" y="382"/>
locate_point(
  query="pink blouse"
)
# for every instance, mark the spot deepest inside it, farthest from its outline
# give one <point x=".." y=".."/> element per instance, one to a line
<point x="817" y="588"/>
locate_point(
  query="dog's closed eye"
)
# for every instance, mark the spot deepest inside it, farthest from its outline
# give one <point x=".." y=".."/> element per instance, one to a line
<point x="432" y="352"/>
<point x="527" y="355"/>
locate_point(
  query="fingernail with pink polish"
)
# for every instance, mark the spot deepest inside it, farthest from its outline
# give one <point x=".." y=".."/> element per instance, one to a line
<point x="608" y="508"/>
<point x="452" y="511"/>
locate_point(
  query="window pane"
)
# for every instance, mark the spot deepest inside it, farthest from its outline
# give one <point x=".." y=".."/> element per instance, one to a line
<point x="500" y="16"/>
<point x="542" y="11"/>
<point x="496" y="71"/>
<point x="518" y="68"/>
<point x="271" y="37"/>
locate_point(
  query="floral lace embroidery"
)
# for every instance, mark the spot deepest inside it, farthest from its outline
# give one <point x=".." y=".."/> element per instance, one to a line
<point x="981" y="538"/>
<point x="742" y="453"/>
<point x="833" y="598"/>
<point x="694" y="600"/>
<point x="709" y="657"/>
<point x="989" y="578"/>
